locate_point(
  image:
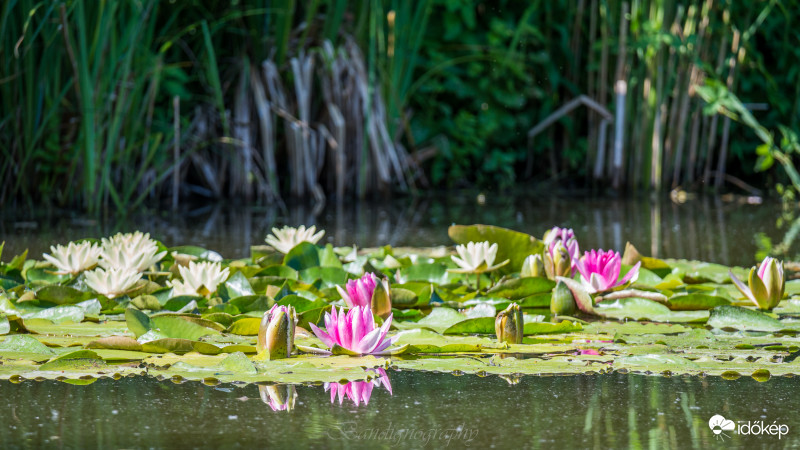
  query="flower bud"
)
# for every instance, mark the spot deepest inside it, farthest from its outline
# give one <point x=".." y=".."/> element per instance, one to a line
<point x="533" y="266"/>
<point x="510" y="325"/>
<point x="562" y="303"/>
<point x="381" y="299"/>
<point x="276" y="333"/>
<point x="765" y="285"/>
<point x="557" y="262"/>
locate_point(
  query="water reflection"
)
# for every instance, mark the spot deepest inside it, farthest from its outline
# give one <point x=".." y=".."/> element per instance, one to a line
<point x="706" y="228"/>
<point x="424" y="410"/>
<point x="359" y="391"/>
<point x="279" y="397"/>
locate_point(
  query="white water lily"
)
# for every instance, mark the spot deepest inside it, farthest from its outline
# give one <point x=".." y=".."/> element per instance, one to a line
<point x="130" y="250"/>
<point x="287" y="238"/>
<point x="73" y="258"/>
<point x="199" y="278"/>
<point x="476" y="257"/>
<point x="112" y="282"/>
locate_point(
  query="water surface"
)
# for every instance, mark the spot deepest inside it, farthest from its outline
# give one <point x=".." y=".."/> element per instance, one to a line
<point x="705" y="228"/>
<point x="425" y="410"/>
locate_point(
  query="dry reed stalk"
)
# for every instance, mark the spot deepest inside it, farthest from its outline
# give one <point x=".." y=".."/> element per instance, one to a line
<point x="620" y="90"/>
<point x="242" y="167"/>
<point x="176" y="150"/>
<point x="719" y="178"/>
<point x="270" y="190"/>
<point x="591" y="143"/>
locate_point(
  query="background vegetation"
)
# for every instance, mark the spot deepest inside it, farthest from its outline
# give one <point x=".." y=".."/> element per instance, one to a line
<point x="107" y="105"/>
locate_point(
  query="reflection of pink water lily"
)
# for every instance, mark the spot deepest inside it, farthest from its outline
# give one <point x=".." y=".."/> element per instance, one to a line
<point x="355" y="331"/>
<point x="358" y="391"/>
<point x="600" y="271"/>
<point x="588" y="352"/>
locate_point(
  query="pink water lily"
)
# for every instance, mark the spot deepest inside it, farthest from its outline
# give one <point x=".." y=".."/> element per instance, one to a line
<point x="600" y="271"/>
<point x="359" y="292"/>
<point x="355" y="331"/>
<point x="567" y="238"/>
<point x="359" y="391"/>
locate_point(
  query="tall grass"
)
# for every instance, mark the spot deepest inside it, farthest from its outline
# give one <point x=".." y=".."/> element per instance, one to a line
<point x="89" y="89"/>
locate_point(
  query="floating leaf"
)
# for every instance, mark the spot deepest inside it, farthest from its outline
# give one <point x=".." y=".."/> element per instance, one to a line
<point x="246" y="327"/>
<point x="742" y="319"/>
<point x="517" y="288"/>
<point x="303" y="256"/>
<point x="138" y="322"/>
<point x="696" y="301"/>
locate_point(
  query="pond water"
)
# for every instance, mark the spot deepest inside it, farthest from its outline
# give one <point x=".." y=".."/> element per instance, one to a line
<point x="704" y="228"/>
<point x="423" y="409"/>
<point x="432" y="410"/>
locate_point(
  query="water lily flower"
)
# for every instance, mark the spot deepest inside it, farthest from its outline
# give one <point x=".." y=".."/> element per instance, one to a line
<point x="112" y="282"/>
<point x="131" y="250"/>
<point x="278" y="397"/>
<point x="510" y="325"/>
<point x="199" y="278"/>
<point x="557" y="234"/>
<point x="359" y="391"/>
<point x="476" y="257"/>
<point x="766" y="285"/>
<point x="533" y="266"/>
<point x="276" y="333"/>
<point x="368" y="291"/>
<point x="600" y="271"/>
<point x="73" y="258"/>
<point x="355" y="331"/>
<point x="561" y="250"/>
<point x="558" y="262"/>
<point x="287" y="237"/>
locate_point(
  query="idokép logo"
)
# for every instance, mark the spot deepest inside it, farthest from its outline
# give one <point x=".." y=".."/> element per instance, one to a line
<point x="723" y="428"/>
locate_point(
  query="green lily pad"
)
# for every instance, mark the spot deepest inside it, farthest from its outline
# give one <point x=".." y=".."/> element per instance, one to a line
<point x="742" y="319"/>
<point x="303" y="256"/>
<point x="517" y="288"/>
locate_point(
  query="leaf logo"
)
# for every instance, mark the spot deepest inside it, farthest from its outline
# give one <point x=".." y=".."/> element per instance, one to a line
<point x="719" y="425"/>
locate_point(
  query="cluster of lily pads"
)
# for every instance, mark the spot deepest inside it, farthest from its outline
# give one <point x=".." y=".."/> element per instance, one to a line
<point x="499" y="302"/>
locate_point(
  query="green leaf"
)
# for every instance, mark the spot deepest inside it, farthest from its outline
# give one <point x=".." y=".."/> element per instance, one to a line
<point x="43" y="275"/>
<point x="330" y="276"/>
<point x="695" y="301"/>
<point x="280" y="271"/>
<point x="237" y="286"/>
<point x="565" y="326"/>
<point x="178" y="328"/>
<point x="440" y="319"/>
<point x="61" y="295"/>
<point x="328" y="258"/>
<point x="479" y="325"/>
<point x="517" y="288"/>
<point x="23" y="343"/>
<point x="77" y="360"/>
<point x="246" y="327"/>
<point x="428" y="272"/>
<point x="5" y="326"/>
<point x="138" y="322"/>
<point x="512" y="245"/>
<point x="303" y="256"/>
<point x="743" y="319"/>
<point x="641" y="309"/>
